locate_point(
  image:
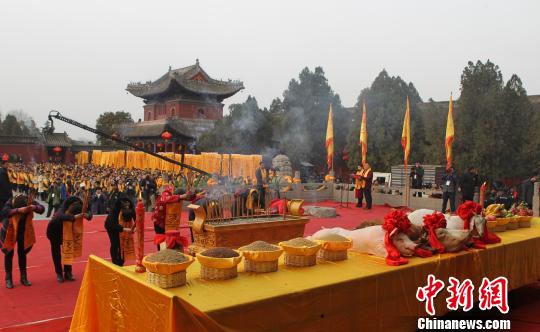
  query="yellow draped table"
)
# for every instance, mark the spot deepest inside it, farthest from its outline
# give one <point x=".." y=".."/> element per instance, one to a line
<point x="362" y="293"/>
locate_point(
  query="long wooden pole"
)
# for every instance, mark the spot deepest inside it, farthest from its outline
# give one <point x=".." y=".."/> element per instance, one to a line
<point x="139" y="224"/>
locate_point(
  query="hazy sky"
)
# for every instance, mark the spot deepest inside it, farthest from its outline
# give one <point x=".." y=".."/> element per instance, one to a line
<point x="77" y="57"/>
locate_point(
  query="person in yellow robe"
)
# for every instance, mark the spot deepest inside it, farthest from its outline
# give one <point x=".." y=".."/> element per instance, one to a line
<point x="364" y="179"/>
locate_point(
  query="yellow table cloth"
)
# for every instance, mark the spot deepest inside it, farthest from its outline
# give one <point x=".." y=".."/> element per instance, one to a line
<point x="362" y="293"/>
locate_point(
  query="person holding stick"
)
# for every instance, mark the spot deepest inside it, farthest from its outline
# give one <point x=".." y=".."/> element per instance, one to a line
<point x="65" y="238"/>
<point x="120" y="226"/>
<point x="18" y="229"/>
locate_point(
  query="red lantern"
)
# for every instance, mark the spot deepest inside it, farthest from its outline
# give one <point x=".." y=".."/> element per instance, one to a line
<point x="166" y="135"/>
<point x="57" y="149"/>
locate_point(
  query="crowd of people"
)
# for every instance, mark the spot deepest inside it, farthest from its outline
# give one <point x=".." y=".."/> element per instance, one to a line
<point x="72" y="193"/>
<point x="469" y="183"/>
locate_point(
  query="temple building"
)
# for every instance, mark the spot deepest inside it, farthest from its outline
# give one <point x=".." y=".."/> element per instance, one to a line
<point x="184" y="102"/>
<point x="43" y="147"/>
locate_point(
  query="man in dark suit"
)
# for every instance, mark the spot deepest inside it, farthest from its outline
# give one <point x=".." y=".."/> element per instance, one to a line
<point x="468" y="183"/>
<point x="417" y="178"/>
<point x="262" y="180"/>
<point x="527" y="191"/>
<point x="449" y="187"/>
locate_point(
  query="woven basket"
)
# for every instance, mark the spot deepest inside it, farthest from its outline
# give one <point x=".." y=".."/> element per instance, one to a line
<point x="491" y="225"/>
<point x="332" y="255"/>
<point x="513" y="224"/>
<point x="212" y="273"/>
<point x="525" y="218"/>
<point x="500" y="228"/>
<point x="300" y="261"/>
<point x="260" y="267"/>
<point x="524" y="223"/>
<point x="166" y="280"/>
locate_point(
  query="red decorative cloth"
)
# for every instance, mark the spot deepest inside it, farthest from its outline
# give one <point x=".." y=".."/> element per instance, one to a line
<point x="420" y="252"/>
<point x="395" y="221"/>
<point x="158" y="216"/>
<point x="466" y="211"/>
<point x="171" y="239"/>
<point x="431" y="223"/>
<point x="279" y="206"/>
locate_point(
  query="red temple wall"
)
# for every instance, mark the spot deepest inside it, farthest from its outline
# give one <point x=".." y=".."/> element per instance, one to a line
<point x="28" y="152"/>
<point x="36" y="153"/>
<point x="181" y="109"/>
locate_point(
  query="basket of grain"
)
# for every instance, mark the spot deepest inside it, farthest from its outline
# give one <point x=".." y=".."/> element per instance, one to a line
<point x="261" y="257"/>
<point x="501" y="224"/>
<point x="333" y="247"/>
<point x="167" y="268"/>
<point x="513" y="223"/>
<point x="219" y="263"/>
<point x="525" y="221"/>
<point x="300" y="252"/>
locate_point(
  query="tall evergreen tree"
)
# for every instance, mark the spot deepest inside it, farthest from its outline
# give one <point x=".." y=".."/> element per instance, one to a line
<point x="492" y="122"/>
<point x="385" y="102"/>
<point x="11" y="126"/>
<point x="108" y="122"/>
<point x="246" y="129"/>
<point x="305" y="104"/>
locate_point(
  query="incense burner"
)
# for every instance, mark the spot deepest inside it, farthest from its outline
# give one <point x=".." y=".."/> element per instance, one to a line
<point x="236" y="232"/>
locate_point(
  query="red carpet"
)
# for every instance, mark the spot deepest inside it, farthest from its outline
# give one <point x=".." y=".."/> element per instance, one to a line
<point x="48" y="305"/>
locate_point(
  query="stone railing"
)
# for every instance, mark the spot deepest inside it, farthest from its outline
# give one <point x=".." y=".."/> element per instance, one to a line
<point x="394" y="196"/>
<point x="312" y="192"/>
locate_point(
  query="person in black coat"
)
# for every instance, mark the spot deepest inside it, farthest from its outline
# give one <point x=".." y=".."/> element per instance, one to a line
<point x="124" y="206"/>
<point x="148" y="187"/>
<point x="449" y="187"/>
<point x="262" y="183"/>
<point x="417" y="178"/>
<point x="527" y="191"/>
<point x="99" y="202"/>
<point x="5" y="186"/>
<point x="70" y="210"/>
<point x="468" y="183"/>
<point x="17" y="205"/>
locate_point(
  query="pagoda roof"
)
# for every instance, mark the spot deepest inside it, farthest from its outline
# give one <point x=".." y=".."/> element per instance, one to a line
<point x="57" y="139"/>
<point x="22" y="139"/>
<point x="192" y="79"/>
<point x="183" y="129"/>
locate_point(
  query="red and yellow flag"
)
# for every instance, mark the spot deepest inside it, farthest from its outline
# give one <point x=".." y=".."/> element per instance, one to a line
<point x="330" y="140"/>
<point x="406" y="135"/>
<point x="363" y="134"/>
<point x="449" y="139"/>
